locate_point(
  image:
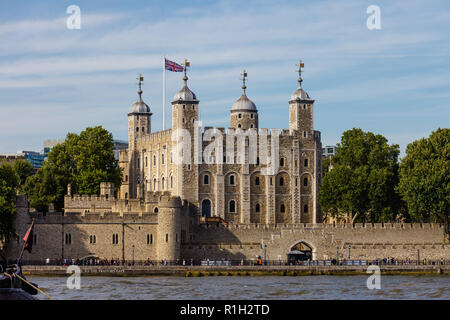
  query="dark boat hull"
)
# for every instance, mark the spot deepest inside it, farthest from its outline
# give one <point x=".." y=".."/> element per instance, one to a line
<point x="15" y="294"/>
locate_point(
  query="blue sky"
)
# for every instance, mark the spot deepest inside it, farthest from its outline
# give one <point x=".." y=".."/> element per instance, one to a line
<point x="394" y="81"/>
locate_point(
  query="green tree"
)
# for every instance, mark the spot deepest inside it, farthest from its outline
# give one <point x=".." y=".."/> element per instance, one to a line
<point x="9" y="183"/>
<point x="23" y="169"/>
<point x="361" y="185"/>
<point x="82" y="160"/>
<point x="424" y="178"/>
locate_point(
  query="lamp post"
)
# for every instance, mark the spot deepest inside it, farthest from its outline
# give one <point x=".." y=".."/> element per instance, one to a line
<point x="132" y="247"/>
<point x="337" y="255"/>
<point x="265" y="250"/>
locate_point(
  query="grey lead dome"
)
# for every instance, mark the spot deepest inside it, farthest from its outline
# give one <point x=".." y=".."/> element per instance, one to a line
<point x="140" y="106"/>
<point x="244" y="103"/>
<point x="300" y="94"/>
<point x="185" y="94"/>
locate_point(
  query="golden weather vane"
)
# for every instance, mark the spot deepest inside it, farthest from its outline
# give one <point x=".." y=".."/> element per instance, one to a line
<point x="244" y="76"/>
<point x="186" y="65"/>
<point x="300" y="65"/>
<point x="140" y="79"/>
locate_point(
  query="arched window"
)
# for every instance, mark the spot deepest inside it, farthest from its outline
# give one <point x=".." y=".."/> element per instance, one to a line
<point x="171" y="182"/>
<point x="154" y="184"/>
<point x="281" y="181"/>
<point x="154" y="160"/>
<point x="137" y="129"/>
<point x="257" y="161"/>
<point x="282" y="208"/>
<point x="305" y="181"/>
<point x="146" y="162"/>
<point x="239" y="115"/>
<point x="257" y="181"/>
<point x="143" y="129"/>
<point x="167" y="237"/>
<point x="306" y="162"/>
<point x="126" y="178"/>
<point x="162" y="158"/>
<point x="281" y="162"/>
<point x="126" y="195"/>
<point x="155" y="210"/>
<point x="305" y="208"/>
<point x="206" y="179"/>
<point x="232" y="206"/>
<point x="239" y="125"/>
<point x="163" y="183"/>
<point x="257" y="208"/>
<point x="251" y="126"/>
<point x="232" y="180"/>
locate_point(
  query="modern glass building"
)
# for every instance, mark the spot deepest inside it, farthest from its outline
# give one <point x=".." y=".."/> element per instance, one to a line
<point x="35" y="158"/>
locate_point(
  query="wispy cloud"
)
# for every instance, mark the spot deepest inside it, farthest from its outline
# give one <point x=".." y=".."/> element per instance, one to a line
<point x="346" y="64"/>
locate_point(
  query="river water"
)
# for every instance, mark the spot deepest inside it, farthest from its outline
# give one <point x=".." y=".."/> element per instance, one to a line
<point x="235" y="287"/>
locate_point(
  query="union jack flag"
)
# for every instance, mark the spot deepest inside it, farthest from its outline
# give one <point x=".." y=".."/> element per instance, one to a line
<point x="173" y="66"/>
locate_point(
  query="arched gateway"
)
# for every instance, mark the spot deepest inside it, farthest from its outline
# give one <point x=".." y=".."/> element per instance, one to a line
<point x="300" y="252"/>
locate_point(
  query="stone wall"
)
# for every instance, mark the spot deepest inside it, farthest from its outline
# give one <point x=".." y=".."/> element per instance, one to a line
<point x="107" y="235"/>
<point x="143" y="236"/>
<point x="369" y="241"/>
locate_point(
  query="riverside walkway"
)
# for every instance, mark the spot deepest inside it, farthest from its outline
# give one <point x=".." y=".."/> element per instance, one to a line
<point x="196" y="271"/>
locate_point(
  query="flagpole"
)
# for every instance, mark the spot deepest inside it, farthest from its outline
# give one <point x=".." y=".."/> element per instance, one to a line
<point x="23" y="247"/>
<point x="164" y="94"/>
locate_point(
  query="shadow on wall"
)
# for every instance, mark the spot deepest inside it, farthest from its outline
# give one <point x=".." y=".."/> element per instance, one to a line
<point x="55" y="236"/>
<point x="212" y="245"/>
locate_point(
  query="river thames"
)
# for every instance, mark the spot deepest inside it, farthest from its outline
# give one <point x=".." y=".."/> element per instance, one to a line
<point x="251" y="288"/>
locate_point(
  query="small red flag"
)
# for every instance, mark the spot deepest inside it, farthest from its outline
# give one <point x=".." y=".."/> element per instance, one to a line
<point x="28" y="245"/>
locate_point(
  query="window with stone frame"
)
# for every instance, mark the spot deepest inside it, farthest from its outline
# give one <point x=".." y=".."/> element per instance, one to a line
<point x="232" y="206"/>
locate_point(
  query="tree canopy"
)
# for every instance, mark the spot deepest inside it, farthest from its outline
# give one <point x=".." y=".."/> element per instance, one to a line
<point x="82" y="160"/>
<point x="9" y="182"/>
<point x="24" y="169"/>
<point x="425" y="176"/>
<point x="361" y="185"/>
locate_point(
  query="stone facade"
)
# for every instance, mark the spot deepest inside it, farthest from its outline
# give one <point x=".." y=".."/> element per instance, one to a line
<point x="222" y="183"/>
<point x="173" y="233"/>
<point x="169" y="196"/>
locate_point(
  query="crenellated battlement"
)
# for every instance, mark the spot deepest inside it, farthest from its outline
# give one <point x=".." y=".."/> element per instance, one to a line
<point x="356" y="226"/>
<point x="155" y="136"/>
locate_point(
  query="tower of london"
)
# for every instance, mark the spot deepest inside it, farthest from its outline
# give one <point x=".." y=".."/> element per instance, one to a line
<point x="249" y="175"/>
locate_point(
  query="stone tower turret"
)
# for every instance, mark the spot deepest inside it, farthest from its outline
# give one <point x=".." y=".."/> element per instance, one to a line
<point x="301" y="109"/>
<point x="169" y="228"/>
<point x="139" y="124"/>
<point x="184" y="130"/>
<point x="244" y="114"/>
